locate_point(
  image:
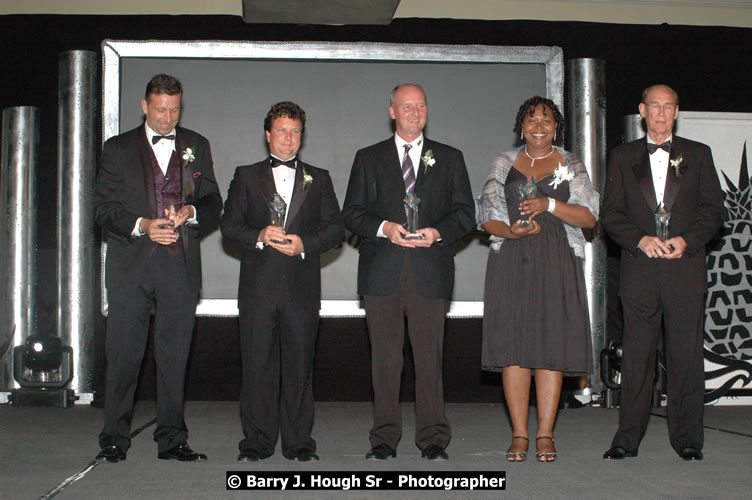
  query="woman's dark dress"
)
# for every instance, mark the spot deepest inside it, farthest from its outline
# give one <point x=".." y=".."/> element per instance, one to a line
<point x="536" y="313"/>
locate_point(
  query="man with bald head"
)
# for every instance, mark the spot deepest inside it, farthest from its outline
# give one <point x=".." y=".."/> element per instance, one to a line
<point x="408" y="276"/>
<point x="662" y="280"/>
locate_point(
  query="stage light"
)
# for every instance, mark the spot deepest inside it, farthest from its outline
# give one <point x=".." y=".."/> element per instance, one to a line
<point x="611" y="365"/>
<point x="611" y="359"/>
<point x="42" y="362"/>
<point x="44" y="355"/>
<point x="611" y="374"/>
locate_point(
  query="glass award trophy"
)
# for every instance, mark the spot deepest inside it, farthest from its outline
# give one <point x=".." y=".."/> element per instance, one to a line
<point x="526" y="191"/>
<point x="662" y="218"/>
<point x="278" y="209"/>
<point x="172" y="214"/>
<point x="411" y="203"/>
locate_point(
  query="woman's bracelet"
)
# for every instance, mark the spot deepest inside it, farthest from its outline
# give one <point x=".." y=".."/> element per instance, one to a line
<point x="551" y="205"/>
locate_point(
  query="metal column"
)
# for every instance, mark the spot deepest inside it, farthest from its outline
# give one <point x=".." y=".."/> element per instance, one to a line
<point x="76" y="170"/>
<point x="586" y="136"/>
<point x="632" y="125"/>
<point x="18" y="234"/>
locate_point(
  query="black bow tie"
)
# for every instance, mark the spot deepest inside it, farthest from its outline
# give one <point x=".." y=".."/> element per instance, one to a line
<point x="156" y="138"/>
<point x="652" y="148"/>
<point x="276" y="162"/>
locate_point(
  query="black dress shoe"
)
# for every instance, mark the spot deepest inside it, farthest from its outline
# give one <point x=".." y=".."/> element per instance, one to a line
<point x="618" y="453"/>
<point x="183" y="453"/>
<point x="111" y="453"/>
<point x="690" y="454"/>
<point x="434" y="452"/>
<point x="380" y="452"/>
<point x="306" y="456"/>
<point x="249" y="455"/>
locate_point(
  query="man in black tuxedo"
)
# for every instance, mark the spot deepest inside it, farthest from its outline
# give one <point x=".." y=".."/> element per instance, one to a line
<point x="279" y="294"/>
<point x="155" y="185"/>
<point x="662" y="280"/>
<point x="402" y="277"/>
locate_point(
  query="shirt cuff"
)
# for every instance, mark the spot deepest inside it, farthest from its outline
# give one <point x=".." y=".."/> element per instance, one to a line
<point x="137" y="231"/>
<point x="380" y="232"/>
<point x="193" y="220"/>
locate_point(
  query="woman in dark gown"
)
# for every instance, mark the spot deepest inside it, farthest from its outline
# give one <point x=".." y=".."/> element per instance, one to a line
<point x="536" y="317"/>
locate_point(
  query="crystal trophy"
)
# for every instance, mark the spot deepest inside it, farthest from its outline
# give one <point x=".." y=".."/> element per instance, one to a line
<point x="662" y="218"/>
<point x="172" y="214"/>
<point x="526" y="191"/>
<point x="411" y="203"/>
<point x="278" y="209"/>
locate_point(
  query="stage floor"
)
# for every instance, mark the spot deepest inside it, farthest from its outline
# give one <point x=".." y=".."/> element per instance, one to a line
<point x="42" y="448"/>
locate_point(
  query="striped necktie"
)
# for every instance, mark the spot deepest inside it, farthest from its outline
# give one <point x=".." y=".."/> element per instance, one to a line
<point x="408" y="173"/>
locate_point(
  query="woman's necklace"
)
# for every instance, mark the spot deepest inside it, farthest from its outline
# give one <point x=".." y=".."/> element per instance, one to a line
<point x="538" y="158"/>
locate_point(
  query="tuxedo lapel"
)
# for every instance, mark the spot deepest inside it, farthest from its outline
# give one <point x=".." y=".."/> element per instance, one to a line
<point x="145" y="152"/>
<point x="420" y="168"/>
<point x="392" y="170"/>
<point x="186" y="172"/>
<point x="644" y="177"/>
<point x="186" y="179"/>
<point x="673" y="179"/>
<point x="266" y="183"/>
<point x="299" y="193"/>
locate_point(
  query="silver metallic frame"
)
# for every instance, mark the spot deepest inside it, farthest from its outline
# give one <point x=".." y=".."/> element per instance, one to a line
<point x="114" y="50"/>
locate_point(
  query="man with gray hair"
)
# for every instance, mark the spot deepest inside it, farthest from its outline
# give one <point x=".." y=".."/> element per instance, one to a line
<point x="663" y="277"/>
<point x="408" y="276"/>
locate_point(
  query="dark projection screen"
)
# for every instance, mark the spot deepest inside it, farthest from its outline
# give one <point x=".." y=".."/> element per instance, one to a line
<point x="473" y="94"/>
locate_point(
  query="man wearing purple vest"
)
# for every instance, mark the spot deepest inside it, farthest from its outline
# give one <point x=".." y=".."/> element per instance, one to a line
<point x="155" y="185"/>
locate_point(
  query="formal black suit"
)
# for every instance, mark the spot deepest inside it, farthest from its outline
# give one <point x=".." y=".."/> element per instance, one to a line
<point x="139" y="274"/>
<point x="279" y="297"/>
<point x="416" y="282"/>
<point x="658" y="289"/>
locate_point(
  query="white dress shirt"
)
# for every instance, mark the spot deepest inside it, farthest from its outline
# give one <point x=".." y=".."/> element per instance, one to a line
<point x="659" y="169"/>
<point x="284" y="184"/>
<point x="162" y="149"/>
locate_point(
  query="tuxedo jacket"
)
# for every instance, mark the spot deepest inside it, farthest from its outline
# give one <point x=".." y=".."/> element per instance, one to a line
<point x="125" y="192"/>
<point x="313" y="215"/>
<point x="694" y="197"/>
<point x="375" y="193"/>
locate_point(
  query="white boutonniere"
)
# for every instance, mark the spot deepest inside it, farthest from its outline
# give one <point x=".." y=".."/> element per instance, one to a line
<point x="307" y="179"/>
<point x="188" y="155"/>
<point x="676" y="163"/>
<point x="428" y="160"/>
<point x="561" y="174"/>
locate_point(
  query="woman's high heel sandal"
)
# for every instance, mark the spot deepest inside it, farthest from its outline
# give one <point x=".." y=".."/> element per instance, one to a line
<point x="516" y="456"/>
<point x="546" y="456"/>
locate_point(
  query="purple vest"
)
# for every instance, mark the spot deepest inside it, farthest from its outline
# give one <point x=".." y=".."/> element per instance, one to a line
<point x="168" y="190"/>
